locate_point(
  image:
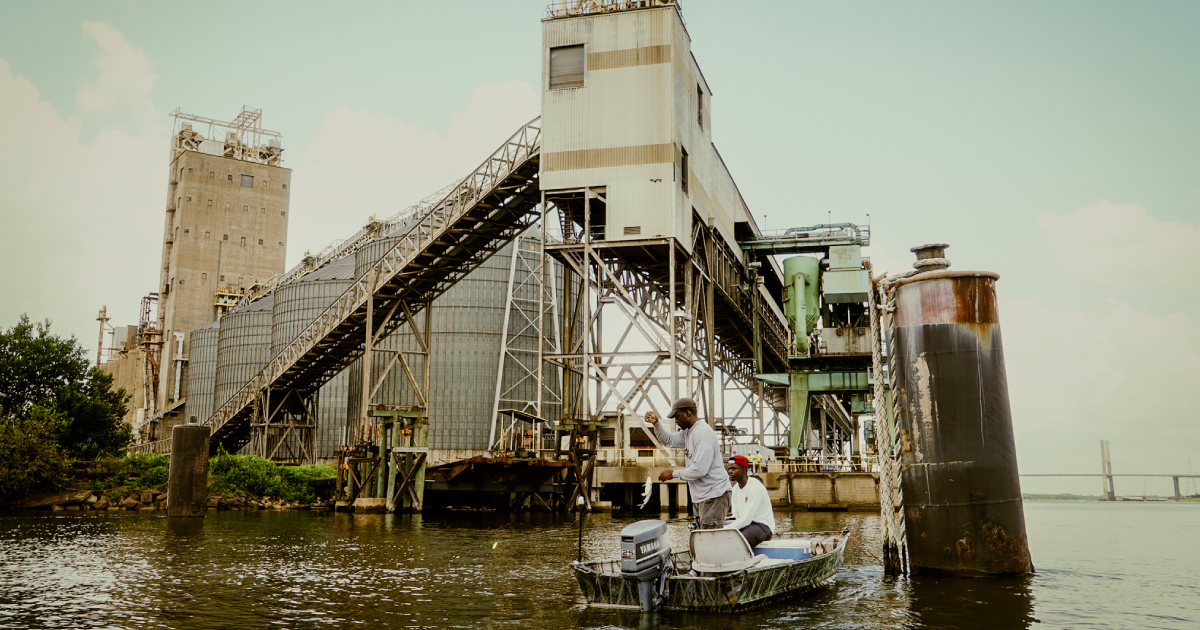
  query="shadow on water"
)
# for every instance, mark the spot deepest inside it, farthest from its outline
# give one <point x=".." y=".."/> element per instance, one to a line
<point x="978" y="603"/>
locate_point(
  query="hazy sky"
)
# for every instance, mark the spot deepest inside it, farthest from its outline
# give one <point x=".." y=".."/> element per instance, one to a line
<point x="1055" y="143"/>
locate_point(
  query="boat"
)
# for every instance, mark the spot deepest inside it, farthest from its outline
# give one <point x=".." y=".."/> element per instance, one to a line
<point x="718" y="573"/>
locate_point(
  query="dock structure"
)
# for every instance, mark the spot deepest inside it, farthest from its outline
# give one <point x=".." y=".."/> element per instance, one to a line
<point x="623" y="270"/>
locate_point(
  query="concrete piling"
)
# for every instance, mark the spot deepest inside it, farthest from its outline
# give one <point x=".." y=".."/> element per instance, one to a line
<point x="187" y="483"/>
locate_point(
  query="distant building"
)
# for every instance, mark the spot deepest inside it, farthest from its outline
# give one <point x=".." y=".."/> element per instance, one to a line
<point x="225" y="229"/>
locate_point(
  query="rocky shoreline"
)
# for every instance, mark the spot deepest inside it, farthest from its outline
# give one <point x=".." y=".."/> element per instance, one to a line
<point x="154" y="501"/>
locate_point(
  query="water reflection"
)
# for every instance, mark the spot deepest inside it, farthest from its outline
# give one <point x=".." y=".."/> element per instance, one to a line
<point x="981" y="603"/>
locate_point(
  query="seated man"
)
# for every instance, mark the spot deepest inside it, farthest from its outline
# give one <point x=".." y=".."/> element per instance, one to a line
<point x="752" y="513"/>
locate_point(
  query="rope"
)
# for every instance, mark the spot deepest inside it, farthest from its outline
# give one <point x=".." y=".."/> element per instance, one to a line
<point x="864" y="549"/>
<point x="931" y="264"/>
<point x="891" y="496"/>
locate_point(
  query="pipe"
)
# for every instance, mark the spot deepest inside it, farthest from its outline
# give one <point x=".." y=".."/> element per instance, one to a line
<point x="801" y="314"/>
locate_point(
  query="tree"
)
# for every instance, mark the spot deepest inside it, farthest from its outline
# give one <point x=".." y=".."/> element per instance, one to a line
<point x="39" y="369"/>
<point x="30" y="457"/>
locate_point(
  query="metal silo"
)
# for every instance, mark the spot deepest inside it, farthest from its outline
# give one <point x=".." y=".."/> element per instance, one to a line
<point x="297" y="304"/>
<point x="243" y="347"/>
<point x="962" y="497"/>
<point x="468" y="322"/>
<point x="202" y="371"/>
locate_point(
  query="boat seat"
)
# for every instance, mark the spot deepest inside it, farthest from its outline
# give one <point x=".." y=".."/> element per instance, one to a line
<point x="721" y="551"/>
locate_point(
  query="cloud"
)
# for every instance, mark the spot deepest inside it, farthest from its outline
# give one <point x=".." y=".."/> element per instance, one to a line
<point x="1122" y="245"/>
<point x="121" y="87"/>
<point x="364" y="163"/>
<point x="82" y="217"/>
<point x="1123" y="375"/>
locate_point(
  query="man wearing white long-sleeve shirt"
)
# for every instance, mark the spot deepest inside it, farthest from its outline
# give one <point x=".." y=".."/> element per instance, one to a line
<point x="708" y="483"/>
<point x="752" y="513"/>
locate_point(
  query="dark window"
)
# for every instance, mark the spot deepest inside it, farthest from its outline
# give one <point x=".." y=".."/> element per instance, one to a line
<point x="245" y="208"/>
<point x="283" y="213"/>
<point x="700" y="106"/>
<point x="262" y="210"/>
<point x="212" y="174"/>
<point x="281" y="243"/>
<point x="224" y="237"/>
<point x="260" y="241"/>
<point x="567" y="65"/>
<point x="247" y="181"/>
<point x="243" y="241"/>
<point x="191" y="171"/>
<point x="186" y="231"/>
<point x="285" y="186"/>
<point x="189" y="198"/>
<point x="683" y="169"/>
<point x="229" y="178"/>
<point x="222" y="278"/>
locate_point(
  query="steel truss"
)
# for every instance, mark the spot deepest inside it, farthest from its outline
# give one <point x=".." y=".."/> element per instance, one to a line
<point x="531" y="326"/>
<point x="645" y="322"/>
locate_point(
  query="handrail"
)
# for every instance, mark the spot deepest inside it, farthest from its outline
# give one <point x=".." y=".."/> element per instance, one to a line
<point x="522" y="145"/>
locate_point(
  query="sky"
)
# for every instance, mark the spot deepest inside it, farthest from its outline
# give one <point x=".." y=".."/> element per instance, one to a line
<point x="1054" y="143"/>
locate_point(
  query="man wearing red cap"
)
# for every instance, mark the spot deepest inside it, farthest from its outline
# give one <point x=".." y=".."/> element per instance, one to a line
<point x="752" y="513"/>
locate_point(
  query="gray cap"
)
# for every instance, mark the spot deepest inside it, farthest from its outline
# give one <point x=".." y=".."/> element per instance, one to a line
<point x="682" y="403"/>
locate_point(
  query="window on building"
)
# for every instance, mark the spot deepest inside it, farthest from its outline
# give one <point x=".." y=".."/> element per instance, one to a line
<point x="212" y="174"/>
<point x="177" y="234"/>
<point x="204" y="276"/>
<point x="567" y="65"/>
<point x="243" y="241"/>
<point x="248" y="181"/>
<point x="281" y="243"/>
<point x="683" y="169"/>
<point x="700" y="105"/>
<point x="222" y="279"/>
<point x="239" y="281"/>
<point x="226" y="205"/>
<point x="225" y="237"/>
<point x="229" y="177"/>
<point x="285" y="186"/>
<point x="189" y="198"/>
<point x="260" y="241"/>
<point x="283" y="213"/>
<point x="181" y="282"/>
<point x="262" y="210"/>
<point x="180" y="172"/>
<point x="210" y="202"/>
<point x="264" y="183"/>
<point x="207" y="233"/>
<point x="186" y="231"/>
<point x="245" y="208"/>
<point x="191" y="171"/>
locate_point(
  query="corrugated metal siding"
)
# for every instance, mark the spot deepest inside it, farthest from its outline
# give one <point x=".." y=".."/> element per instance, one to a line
<point x="297" y="304"/>
<point x="467" y="327"/>
<point x="202" y="370"/>
<point x="243" y="348"/>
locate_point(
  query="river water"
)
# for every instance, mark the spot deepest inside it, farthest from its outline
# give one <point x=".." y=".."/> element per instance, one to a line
<point x="1099" y="565"/>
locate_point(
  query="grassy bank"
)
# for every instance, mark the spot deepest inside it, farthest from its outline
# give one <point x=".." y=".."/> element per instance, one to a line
<point x="139" y="482"/>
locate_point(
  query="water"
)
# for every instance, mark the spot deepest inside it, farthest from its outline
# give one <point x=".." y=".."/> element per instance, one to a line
<point x="1099" y="565"/>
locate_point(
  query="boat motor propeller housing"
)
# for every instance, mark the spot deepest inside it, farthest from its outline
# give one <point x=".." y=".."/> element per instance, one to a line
<point x="646" y="557"/>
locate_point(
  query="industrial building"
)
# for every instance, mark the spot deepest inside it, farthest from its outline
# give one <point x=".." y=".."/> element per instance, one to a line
<point x="225" y="228"/>
<point x="599" y="264"/>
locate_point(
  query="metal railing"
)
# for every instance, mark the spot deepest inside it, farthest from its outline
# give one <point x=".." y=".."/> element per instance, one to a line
<point x="572" y="8"/>
<point x="519" y="148"/>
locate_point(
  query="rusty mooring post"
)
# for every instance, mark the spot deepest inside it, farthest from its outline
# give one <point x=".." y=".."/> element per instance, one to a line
<point x="187" y="483"/>
<point x="962" y="497"/>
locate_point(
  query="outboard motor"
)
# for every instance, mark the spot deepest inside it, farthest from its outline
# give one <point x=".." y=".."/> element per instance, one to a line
<point x="646" y="557"/>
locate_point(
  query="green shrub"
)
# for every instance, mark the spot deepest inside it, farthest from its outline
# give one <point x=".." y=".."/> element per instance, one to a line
<point x="30" y="458"/>
<point x="228" y="474"/>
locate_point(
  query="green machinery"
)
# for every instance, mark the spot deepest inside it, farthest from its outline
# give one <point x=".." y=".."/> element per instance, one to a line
<point x="825" y="291"/>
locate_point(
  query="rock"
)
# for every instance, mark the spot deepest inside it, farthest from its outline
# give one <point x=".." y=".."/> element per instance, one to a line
<point x="147" y="508"/>
<point x="101" y="504"/>
<point x="48" y="499"/>
<point x="92" y="499"/>
<point x="213" y="502"/>
<point x="71" y="508"/>
<point x="129" y="503"/>
<point x="147" y="496"/>
<point x="162" y="498"/>
<point x="56" y="508"/>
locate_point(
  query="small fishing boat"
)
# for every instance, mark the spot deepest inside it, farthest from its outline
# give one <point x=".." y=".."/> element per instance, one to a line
<point x="718" y="573"/>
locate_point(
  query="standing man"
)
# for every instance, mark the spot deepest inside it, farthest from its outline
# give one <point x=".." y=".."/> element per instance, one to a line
<point x="752" y="513"/>
<point x="708" y="483"/>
